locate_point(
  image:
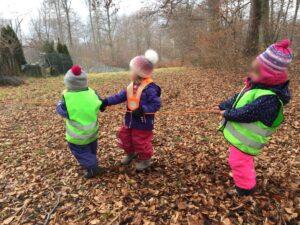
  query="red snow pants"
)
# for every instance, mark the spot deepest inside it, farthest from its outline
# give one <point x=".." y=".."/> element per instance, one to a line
<point x="136" y="141"/>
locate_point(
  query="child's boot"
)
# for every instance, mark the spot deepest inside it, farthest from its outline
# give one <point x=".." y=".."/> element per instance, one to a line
<point x="128" y="159"/>
<point x="143" y="165"/>
<point x="93" y="172"/>
<point x="244" y="192"/>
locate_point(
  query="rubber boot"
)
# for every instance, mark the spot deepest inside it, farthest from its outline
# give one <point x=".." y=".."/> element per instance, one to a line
<point x="128" y="159"/>
<point x="244" y="192"/>
<point x="143" y="165"/>
<point x="93" y="172"/>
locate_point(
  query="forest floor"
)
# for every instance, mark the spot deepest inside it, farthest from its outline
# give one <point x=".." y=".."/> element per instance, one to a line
<point x="189" y="182"/>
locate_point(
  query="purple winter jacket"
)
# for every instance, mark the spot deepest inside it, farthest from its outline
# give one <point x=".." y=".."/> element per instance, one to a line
<point x="150" y="103"/>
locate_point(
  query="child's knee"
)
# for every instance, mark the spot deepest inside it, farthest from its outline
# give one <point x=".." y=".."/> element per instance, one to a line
<point x="240" y="163"/>
<point x="124" y="135"/>
<point x="144" y="148"/>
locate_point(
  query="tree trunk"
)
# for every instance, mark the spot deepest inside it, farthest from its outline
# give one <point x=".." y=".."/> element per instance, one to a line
<point x="95" y="46"/>
<point x="109" y="31"/>
<point x="98" y="34"/>
<point x="266" y="22"/>
<point x="69" y="27"/>
<point x="295" y="19"/>
<point x="252" y="41"/>
<point x="214" y="14"/>
<point x="56" y="4"/>
<point x="66" y="6"/>
<point x="91" y="22"/>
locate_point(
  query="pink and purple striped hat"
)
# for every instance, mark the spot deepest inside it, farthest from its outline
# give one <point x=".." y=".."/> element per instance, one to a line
<point x="274" y="63"/>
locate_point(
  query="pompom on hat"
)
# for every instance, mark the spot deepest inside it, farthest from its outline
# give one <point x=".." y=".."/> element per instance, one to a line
<point x="76" y="79"/>
<point x="273" y="63"/>
<point x="144" y="65"/>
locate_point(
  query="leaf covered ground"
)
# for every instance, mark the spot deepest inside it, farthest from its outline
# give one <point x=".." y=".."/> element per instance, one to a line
<point x="189" y="182"/>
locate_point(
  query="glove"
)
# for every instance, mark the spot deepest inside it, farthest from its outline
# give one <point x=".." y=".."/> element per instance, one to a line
<point x="138" y="112"/>
<point x="104" y="105"/>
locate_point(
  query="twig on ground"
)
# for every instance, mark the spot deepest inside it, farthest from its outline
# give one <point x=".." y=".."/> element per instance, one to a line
<point x="53" y="209"/>
<point x="24" y="208"/>
<point x="117" y="217"/>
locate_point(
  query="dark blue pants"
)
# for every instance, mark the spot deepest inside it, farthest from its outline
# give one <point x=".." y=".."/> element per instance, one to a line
<point x="86" y="155"/>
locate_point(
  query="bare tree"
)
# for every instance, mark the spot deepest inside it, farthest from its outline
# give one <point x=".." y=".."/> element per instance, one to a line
<point x="90" y="7"/>
<point x="295" y="19"/>
<point x="110" y="10"/>
<point x="214" y="14"/>
<point x="183" y="31"/>
<point x="57" y="7"/>
<point x="66" y="5"/>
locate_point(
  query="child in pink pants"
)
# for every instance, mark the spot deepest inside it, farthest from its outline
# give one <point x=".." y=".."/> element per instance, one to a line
<point x="251" y="116"/>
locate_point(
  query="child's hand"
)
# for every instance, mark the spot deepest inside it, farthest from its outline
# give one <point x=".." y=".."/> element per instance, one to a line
<point x="104" y="105"/>
<point x="222" y="112"/>
<point x="216" y="110"/>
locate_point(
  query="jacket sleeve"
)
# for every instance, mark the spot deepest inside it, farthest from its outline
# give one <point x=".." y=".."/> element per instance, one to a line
<point x="61" y="109"/>
<point x="264" y="109"/>
<point x="153" y="100"/>
<point x="117" y="99"/>
<point x="228" y="104"/>
<point x="101" y="99"/>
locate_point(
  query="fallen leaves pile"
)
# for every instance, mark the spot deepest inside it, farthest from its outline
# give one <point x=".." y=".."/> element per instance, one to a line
<point x="189" y="182"/>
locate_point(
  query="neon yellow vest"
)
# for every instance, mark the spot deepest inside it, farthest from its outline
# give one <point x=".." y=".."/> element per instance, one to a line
<point x="251" y="137"/>
<point x="83" y="108"/>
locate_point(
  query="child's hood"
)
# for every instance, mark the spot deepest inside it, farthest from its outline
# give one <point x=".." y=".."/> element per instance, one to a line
<point x="281" y="90"/>
<point x="153" y="88"/>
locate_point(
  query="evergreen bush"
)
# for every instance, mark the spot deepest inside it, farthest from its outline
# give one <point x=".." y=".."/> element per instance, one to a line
<point x="11" y="52"/>
<point x="58" y="61"/>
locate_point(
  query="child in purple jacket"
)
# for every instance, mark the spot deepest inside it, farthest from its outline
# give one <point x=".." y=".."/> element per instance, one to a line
<point x="143" y="101"/>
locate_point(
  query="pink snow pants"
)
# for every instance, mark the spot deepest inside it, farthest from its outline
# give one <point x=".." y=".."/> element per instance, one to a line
<point x="242" y="166"/>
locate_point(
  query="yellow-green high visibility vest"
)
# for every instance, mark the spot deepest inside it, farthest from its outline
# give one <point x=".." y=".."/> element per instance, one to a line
<point x="251" y="137"/>
<point x="83" y="108"/>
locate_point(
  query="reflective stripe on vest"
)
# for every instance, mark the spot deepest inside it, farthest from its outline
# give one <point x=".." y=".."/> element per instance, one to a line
<point x="256" y="129"/>
<point x="245" y="140"/>
<point x="83" y="127"/>
<point x="133" y="99"/>
<point x="81" y="136"/>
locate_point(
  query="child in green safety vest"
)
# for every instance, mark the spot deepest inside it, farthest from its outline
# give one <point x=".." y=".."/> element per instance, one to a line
<point x="80" y="106"/>
<point x="251" y="116"/>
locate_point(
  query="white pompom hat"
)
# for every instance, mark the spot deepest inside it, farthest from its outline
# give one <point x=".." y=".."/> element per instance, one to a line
<point x="144" y="65"/>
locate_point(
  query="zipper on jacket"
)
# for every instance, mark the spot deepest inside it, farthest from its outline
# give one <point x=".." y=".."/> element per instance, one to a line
<point x="130" y="123"/>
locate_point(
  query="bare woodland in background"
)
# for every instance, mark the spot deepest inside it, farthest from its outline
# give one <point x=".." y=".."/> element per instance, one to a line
<point x="184" y="32"/>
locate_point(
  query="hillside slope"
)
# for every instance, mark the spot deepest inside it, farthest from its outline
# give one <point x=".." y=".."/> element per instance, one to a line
<point x="189" y="182"/>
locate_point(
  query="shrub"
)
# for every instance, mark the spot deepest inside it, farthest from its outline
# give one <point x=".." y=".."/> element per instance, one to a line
<point x="10" y="81"/>
<point x="32" y="70"/>
<point x="60" y="63"/>
<point x="56" y="61"/>
<point x="48" y="47"/>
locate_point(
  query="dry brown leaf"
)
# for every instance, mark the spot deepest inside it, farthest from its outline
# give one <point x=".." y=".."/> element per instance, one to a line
<point x="194" y="220"/>
<point x="95" y="221"/>
<point x="226" y="221"/>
